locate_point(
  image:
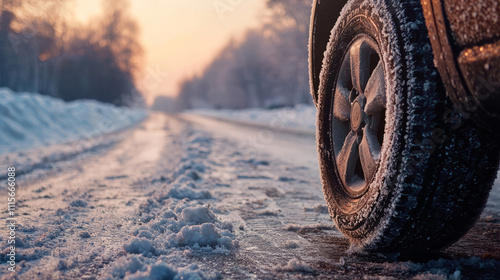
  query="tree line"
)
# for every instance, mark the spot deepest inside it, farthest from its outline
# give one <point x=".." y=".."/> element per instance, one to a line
<point x="40" y="51"/>
<point x="268" y="68"/>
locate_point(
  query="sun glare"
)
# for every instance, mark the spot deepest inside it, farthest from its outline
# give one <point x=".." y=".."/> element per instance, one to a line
<point x="181" y="37"/>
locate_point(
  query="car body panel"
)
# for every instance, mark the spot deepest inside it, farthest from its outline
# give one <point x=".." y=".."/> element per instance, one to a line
<point x="465" y="38"/>
<point x="473" y="23"/>
<point x="323" y="18"/>
<point x="465" y="41"/>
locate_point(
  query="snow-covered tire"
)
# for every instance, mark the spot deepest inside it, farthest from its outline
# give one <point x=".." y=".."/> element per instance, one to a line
<point x="429" y="178"/>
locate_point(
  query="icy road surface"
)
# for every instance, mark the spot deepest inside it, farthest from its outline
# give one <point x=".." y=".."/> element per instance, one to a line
<point x="197" y="198"/>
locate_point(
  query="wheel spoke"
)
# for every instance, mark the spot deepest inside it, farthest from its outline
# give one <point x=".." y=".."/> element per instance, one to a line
<point x="341" y="104"/>
<point x="369" y="151"/>
<point x="360" y="64"/>
<point x="375" y="91"/>
<point x="376" y="121"/>
<point x="358" y="114"/>
<point x="344" y="78"/>
<point x="347" y="158"/>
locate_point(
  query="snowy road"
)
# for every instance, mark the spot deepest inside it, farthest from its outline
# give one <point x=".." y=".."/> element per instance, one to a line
<point x="196" y="197"/>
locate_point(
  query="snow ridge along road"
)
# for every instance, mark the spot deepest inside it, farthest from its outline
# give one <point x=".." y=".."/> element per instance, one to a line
<point x="30" y="120"/>
<point x="196" y="198"/>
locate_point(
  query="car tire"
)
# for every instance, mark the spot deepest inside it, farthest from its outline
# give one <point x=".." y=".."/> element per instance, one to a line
<point x="401" y="170"/>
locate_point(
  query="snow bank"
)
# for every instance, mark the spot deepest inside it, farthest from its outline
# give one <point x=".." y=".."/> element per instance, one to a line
<point x="29" y="120"/>
<point x="299" y="117"/>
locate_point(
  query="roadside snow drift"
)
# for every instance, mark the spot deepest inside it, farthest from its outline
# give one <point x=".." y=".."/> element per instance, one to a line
<point x="299" y="117"/>
<point x="29" y="119"/>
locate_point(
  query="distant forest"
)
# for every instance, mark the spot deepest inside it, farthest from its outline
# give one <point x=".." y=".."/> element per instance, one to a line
<point x="41" y="52"/>
<point x="267" y="69"/>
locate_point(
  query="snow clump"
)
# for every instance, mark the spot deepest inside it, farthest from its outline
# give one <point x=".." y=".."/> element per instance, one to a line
<point x="295" y="265"/>
<point x="135" y="268"/>
<point x="184" y="225"/>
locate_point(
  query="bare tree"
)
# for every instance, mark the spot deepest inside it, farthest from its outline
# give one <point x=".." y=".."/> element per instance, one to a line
<point x="40" y="52"/>
<point x="30" y="33"/>
<point x="120" y="32"/>
<point x="267" y="69"/>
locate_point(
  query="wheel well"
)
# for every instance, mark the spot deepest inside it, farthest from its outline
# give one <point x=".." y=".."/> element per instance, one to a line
<point x="323" y="18"/>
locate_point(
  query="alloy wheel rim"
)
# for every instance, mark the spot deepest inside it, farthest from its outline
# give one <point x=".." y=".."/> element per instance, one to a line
<point x="358" y="121"/>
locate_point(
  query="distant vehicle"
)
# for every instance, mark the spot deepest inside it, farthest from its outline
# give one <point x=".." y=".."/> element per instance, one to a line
<point x="408" y="100"/>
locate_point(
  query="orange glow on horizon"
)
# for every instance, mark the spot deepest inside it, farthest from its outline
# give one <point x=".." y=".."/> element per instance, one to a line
<point x="180" y="38"/>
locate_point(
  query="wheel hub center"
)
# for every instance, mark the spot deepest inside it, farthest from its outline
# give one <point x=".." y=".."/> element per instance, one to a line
<point x="357" y="118"/>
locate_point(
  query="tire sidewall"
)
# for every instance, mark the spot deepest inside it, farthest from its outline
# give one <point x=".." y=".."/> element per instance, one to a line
<point x="357" y="217"/>
<point x="429" y="188"/>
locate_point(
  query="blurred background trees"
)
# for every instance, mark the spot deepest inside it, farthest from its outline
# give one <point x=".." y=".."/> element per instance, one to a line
<point x="40" y="52"/>
<point x="268" y="68"/>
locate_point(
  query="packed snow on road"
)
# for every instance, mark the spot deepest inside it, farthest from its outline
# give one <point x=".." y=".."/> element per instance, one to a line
<point x="188" y="197"/>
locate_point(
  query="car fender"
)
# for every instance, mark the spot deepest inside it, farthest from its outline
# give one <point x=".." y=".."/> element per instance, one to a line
<point x="323" y="17"/>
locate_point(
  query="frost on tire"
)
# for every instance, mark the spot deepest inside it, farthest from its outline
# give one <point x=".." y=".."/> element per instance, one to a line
<point x="401" y="170"/>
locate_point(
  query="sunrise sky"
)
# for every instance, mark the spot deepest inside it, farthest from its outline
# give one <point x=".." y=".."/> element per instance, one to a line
<point x="180" y="37"/>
